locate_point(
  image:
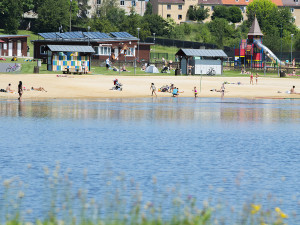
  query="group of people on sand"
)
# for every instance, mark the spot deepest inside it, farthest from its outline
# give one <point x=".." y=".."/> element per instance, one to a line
<point x="174" y="90"/>
<point x="21" y="89"/>
<point x="256" y="78"/>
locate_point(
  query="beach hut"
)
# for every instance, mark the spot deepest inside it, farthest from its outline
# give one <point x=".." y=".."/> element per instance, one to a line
<point x="14" y="45"/>
<point x="69" y="58"/>
<point x="201" y="61"/>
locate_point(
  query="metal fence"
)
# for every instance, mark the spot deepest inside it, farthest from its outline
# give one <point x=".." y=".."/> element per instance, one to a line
<point x="188" y="44"/>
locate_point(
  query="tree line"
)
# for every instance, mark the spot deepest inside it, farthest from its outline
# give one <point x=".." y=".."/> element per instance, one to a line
<point x="277" y="23"/>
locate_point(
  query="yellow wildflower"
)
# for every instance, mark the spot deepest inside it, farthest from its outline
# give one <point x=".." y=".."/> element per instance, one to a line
<point x="255" y="208"/>
<point x="280" y="213"/>
<point x="277" y="209"/>
<point x="283" y="215"/>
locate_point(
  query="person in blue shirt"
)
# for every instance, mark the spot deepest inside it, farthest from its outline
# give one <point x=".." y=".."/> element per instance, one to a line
<point x="175" y="92"/>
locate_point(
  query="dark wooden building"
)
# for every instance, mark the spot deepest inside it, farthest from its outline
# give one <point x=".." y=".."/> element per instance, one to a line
<point x="13" y="45"/>
<point x="115" y="45"/>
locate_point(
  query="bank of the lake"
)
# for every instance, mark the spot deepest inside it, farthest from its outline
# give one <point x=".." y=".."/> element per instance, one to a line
<point x="99" y="86"/>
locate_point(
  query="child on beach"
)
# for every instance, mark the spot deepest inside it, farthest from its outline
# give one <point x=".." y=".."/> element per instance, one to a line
<point x="251" y="78"/>
<point x="153" y="88"/>
<point x="256" y="77"/>
<point x="195" y="92"/>
<point x="175" y="92"/>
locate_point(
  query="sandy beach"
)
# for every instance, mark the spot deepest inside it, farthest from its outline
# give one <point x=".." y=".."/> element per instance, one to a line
<point x="99" y="86"/>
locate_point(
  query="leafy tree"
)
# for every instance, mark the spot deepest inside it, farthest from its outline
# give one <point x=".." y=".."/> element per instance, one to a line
<point x="102" y="24"/>
<point x="106" y="5"/>
<point x="232" y="14"/>
<point x="148" y="9"/>
<point x="235" y="14"/>
<point x="273" y="22"/>
<point x="156" y="24"/>
<point x="169" y="27"/>
<point x="11" y="13"/>
<point x="116" y="16"/>
<point x="220" y="29"/>
<point x="134" y="21"/>
<point x="187" y="28"/>
<point x="197" y="13"/>
<point x="221" y="11"/>
<point x="52" y="15"/>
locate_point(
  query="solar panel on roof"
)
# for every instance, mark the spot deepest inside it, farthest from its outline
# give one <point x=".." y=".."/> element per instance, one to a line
<point x="102" y="35"/>
<point x="121" y="34"/>
<point x="74" y="34"/>
<point x="48" y="35"/>
<point x="63" y="35"/>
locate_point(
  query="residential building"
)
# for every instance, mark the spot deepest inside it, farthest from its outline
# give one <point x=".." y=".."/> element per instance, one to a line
<point x="177" y="9"/>
<point x="294" y="6"/>
<point x="138" y="5"/>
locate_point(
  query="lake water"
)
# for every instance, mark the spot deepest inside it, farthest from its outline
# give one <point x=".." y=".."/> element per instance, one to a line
<point x="231" y="149"/>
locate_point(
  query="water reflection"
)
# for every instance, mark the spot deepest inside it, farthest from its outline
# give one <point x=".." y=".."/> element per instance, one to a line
<point x="158" y="109"/>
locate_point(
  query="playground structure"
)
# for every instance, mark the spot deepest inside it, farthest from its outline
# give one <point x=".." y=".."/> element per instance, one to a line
<point x="252" y="53"/>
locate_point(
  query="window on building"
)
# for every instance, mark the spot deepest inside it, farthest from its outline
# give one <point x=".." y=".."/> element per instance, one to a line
<point x="296" y="0"/>
<point x="243" y="9"/>
<point x="98" y="2"/>
<point x="247" y="0"/>
<point x="130" y="52"/>
<point x="96" y="50"/>
<point x="179" y="7"/>
<point x="292" y="10"/>
<point x="43" y="49"/>
<point x="236" y="0"/>
<point x="168" y="15"/>
<point x="98" y="12"/>
<point x="104" y="51"/>
<point x="122" y="2"/>
<point x="133" y="3"/>
<point x="180" y="17"/>
<point x="169" y="7"/>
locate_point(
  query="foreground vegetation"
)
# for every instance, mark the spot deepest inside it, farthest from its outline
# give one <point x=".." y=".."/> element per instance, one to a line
<point x="121" y="202"/>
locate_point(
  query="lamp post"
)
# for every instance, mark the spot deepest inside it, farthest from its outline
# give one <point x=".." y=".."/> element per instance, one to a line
<point x="89" y="36"/>
<point x="70" y="15"/>
<point x="292" y="35"/>
<point x="154" y="43"/>
<point x="138" y="29"/>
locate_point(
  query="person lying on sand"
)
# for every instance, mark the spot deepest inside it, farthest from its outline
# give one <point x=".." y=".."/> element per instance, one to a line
<point x="8" y="89"/>
<point x="38" y="89"/>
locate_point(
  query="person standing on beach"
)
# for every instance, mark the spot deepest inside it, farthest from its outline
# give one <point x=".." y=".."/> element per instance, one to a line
<point x="256" y="77"/>
<point x="251" y="78"/>
<point x="107" y="63"/>
<point x="195" y="92"/>
<point x="153" y="88"/>
<point x="20" y="90"/>
<point x="222" y="90"/>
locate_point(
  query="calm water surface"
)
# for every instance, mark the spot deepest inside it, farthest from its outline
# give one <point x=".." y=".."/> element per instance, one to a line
<point x="231" y="149"/>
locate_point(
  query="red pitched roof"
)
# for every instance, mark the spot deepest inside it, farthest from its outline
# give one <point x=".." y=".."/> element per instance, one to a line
<point x="171" y="1"/>
<point x="210" y="2"/>
<point x="246" y="2"/>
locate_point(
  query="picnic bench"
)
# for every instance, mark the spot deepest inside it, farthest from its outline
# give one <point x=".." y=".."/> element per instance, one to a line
<point x="73" y="70"/>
